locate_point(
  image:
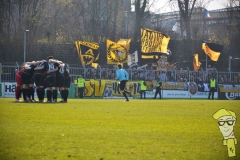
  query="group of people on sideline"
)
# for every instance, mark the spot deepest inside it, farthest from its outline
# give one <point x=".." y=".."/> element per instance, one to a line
<point x="143" y="89"/>
<point x="50" y="74"/>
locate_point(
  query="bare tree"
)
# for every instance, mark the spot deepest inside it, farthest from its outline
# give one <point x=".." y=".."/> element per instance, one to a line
<point x="141" y="13"/>
<point x="186" y="8"/>
<point x="228" y="33"/>
<point x="16" y="17"/>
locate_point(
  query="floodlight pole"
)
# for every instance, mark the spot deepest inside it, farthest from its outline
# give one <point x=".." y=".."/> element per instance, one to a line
<point x="84" y="74"/>
<point x="24" y="45"/>
<point x="125" y="24"/>
<point x="206" y="62"/>
<point x="100" y="71"/>
<point x="229" y="63"/>
<point x="229" y="66"/>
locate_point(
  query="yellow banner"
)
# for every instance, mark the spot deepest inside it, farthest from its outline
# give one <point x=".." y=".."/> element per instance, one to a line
<point x="117" y="52"/>
<point x="95" y="65"/>
<point x="87" y="52"/>
<point x="147" y="57"/>
<point x="153" y="41"/>
<point x="88" y="88"/>
<point x="99" y="88"/>
<point x="229" y="88"/>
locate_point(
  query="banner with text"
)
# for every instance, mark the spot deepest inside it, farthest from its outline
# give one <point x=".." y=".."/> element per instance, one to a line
<point x="229" y="91"/>
<point x="153" y="41"/>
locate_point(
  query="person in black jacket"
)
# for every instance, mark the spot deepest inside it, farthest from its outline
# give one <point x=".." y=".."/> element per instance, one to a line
<point x="158" y="89"/>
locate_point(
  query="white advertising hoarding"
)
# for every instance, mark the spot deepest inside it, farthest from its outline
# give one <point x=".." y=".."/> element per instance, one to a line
<point x="8" y="90"/>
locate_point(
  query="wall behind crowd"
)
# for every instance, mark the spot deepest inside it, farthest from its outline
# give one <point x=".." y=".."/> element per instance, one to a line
<point x="182" y="51"/>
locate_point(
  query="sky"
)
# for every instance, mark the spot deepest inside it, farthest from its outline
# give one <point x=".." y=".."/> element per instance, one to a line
<point x="161" y="6"/>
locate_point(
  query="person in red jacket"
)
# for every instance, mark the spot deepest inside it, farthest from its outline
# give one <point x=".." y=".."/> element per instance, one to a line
<point x="19" y="84"/>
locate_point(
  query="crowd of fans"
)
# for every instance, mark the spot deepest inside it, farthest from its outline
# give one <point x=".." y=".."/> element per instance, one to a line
<point x="180" y="75"/>
<point x="151" y="74"/>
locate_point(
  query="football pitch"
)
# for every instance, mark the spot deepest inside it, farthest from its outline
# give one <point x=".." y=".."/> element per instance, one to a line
<point x="111" y="129"/>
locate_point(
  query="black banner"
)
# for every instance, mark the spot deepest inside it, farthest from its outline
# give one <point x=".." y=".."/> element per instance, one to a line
<point x="229" y="91"/>
<point x="229" y="95"/>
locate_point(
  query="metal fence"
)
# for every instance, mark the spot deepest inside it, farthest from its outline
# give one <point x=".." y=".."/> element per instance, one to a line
<point x="8" y="74"/>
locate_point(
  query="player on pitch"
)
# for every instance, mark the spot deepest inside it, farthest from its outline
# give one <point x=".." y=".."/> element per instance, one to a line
<point x="122" y="76"/>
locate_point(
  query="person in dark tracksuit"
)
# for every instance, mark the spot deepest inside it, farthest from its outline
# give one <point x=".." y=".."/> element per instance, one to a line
<point x="52" y="70"/>
<point x="67" y="84"/>
<point x="39" y="79"/>
<point x="158" y="89"/>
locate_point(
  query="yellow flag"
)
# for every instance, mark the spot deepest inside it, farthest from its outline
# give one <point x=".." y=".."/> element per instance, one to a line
<point x="153" y="41"/>
<point x="87" y="51"/>
<point x="116" y="53"/>
<point x="125" y="43"/>
<point x="214" y="55"/>
<point x="95" y="65"/>
<point x="196" y="63"/>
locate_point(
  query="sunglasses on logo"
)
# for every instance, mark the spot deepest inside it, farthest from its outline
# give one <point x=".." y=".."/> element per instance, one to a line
<point x="230" y="122"/>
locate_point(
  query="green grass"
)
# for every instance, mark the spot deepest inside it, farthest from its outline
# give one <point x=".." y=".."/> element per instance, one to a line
<point x="85" y="129"/>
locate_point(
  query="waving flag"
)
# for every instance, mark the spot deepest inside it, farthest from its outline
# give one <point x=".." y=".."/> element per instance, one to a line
<point x="133" y="59"/>
<point x="87" y="51"/>
<point x="196" y="63"/>
<point x="207" y="14"/>
<point x="213" y="50"/>
<point x="117" y="52"/>
<point x="95" y="65"/>
<point x="153" y="41"/>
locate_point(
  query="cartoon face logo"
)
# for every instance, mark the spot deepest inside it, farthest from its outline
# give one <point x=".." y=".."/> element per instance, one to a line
<point x="226" y="124"/>
<point x="226" y="121"/>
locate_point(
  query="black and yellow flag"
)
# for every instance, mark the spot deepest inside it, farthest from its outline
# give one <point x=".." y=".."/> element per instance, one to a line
<point x="213" y="50"/>
<point x="196" y="63"/>
<point x="118" y="52"/>
<point x="125" y="43"/>
<point x="87" y="51"/>
<point x="95" y="65"/>
<point x="153" y="41"/>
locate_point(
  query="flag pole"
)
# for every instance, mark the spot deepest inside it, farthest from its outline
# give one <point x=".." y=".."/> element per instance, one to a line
<point x="206" y="62"/>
